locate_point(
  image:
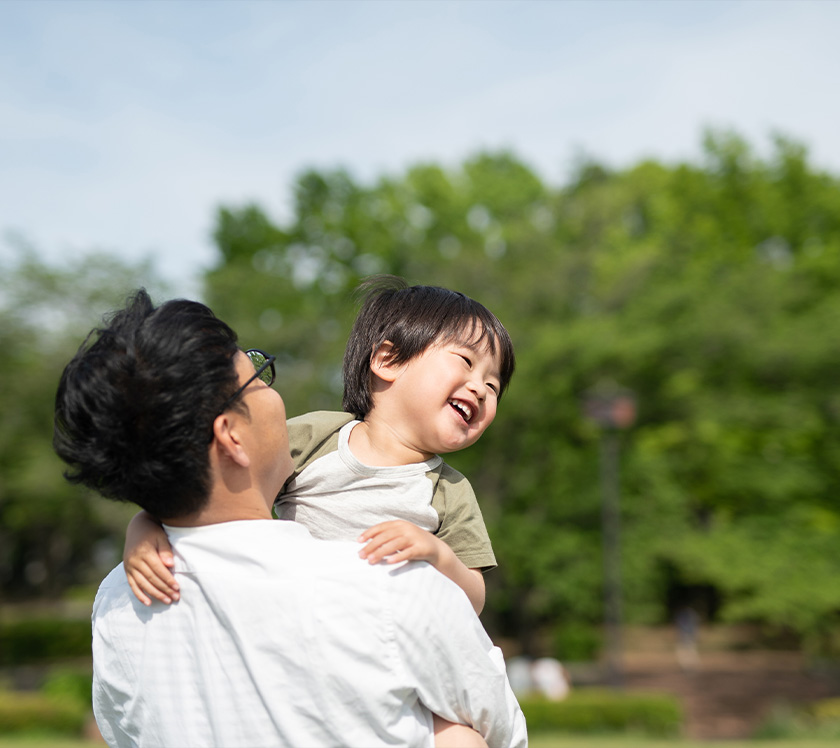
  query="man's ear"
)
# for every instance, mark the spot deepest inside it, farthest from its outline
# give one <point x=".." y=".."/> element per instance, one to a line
<point x="381" y="362"/>
<point x="227" y="433"/>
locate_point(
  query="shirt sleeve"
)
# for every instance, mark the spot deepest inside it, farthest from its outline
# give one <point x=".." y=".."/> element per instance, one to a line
<point x="462" y="527"/>
<point x="313" y="434"/>
<point x="455" y="669"/>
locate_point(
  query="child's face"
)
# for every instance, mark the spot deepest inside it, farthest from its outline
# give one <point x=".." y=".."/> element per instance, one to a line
<point x="448" y="395"/>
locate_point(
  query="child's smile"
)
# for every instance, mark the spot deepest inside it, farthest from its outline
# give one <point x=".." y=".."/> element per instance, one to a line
<point x="463" y="409"/>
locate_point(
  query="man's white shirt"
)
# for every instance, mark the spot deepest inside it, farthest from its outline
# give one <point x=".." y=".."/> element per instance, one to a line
<point x="282" y="640"/>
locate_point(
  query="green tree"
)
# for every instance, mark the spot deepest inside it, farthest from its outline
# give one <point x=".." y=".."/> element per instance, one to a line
<point x="705" y="288"/>
<point x="51" y="533"/>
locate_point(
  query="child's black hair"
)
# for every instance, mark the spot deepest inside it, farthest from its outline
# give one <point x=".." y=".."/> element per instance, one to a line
<point x="413" y="318"/>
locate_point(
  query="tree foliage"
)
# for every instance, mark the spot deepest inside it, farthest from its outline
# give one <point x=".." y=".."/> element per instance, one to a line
<point x="50" y="532"/>
<point x="707" y="289"/>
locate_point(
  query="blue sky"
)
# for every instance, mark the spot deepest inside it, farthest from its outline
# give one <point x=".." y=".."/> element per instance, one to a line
<point x="123" y="125"/>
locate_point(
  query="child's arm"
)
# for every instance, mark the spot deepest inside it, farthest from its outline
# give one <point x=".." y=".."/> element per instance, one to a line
<point x="399" y="540"/>
<point x="147" y="559"/>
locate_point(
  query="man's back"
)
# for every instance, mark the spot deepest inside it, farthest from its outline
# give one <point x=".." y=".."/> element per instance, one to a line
<point x="283" y="640"/>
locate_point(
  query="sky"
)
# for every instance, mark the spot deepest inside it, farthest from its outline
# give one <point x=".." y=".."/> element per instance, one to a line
<point x="125" y="125"/>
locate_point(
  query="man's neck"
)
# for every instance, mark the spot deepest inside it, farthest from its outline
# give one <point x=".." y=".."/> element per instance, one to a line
<point x="224" y="506"/>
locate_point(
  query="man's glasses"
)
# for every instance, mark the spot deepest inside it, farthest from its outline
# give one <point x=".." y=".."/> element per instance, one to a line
<point x="264" y="366"/>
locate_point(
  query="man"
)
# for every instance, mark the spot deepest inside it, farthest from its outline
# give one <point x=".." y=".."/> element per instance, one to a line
<point x="278" y="639"/>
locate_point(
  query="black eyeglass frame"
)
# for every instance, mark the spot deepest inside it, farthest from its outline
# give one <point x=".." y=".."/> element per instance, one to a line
<point x="267" y="364"/>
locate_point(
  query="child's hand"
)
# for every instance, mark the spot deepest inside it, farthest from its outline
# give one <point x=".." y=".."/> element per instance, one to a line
<point x="399" y="540"/>
<point x="147" y="560"/>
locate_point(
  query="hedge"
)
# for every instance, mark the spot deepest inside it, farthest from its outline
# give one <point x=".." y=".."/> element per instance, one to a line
<point x="32" y="711"/>
<point x="70" y="684"/>
<point x="826" y="710"/>
<point x="42" y="640"/>
<point x="819" y="720"/>
<point x="596" y="711"/>
<point x="63" y="706"/>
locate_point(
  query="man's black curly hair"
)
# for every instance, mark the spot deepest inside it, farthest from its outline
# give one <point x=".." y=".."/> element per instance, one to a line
<point x="414" y="318"/>
<point x="135" y="406"/>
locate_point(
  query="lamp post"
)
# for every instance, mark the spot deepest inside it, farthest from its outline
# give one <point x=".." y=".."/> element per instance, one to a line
<point x="613" y="409"/>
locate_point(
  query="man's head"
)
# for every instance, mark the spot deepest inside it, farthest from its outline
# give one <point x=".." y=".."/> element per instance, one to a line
<point x="136" y="406"/>
<point x="411" y="319"/>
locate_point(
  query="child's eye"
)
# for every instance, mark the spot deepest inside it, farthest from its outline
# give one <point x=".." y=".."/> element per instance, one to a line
<point x="469" y="363"/>
<point x="494" y="387"/>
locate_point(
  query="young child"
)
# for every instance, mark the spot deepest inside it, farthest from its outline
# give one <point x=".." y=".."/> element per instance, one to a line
<point x="424" y="369"/>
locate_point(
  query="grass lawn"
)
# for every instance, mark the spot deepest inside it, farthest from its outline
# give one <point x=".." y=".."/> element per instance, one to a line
<point x="37" y="741"/>
<point x="547" y="740"/>
<point x="537" y="741"/>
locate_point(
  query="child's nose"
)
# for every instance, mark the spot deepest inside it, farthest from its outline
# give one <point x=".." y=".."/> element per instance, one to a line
<point x="479" y="388"/>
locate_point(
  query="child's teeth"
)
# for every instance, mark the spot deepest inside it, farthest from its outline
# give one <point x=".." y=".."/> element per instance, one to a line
<point x="464" y="409"/>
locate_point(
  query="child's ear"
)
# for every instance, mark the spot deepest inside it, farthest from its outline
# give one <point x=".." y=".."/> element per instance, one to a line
<point x="228" y="438"/>
<point x="381" y="362"/>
